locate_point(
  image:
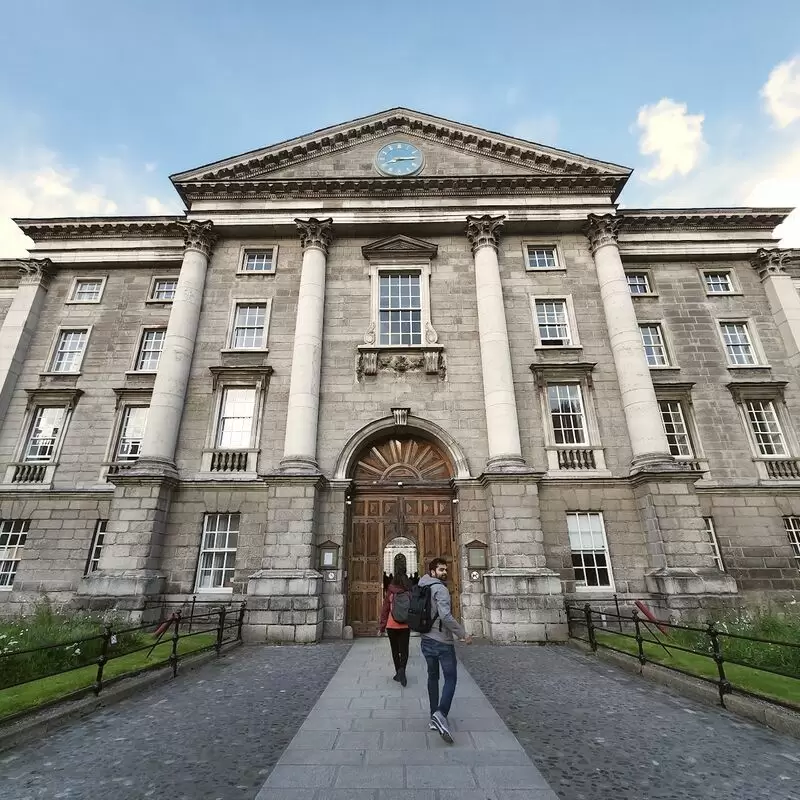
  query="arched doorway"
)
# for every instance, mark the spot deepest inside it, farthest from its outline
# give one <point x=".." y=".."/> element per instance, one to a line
<point x="402" y="491"/>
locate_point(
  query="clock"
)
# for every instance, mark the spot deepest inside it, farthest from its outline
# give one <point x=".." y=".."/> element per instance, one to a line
<point x="399" y="159"/>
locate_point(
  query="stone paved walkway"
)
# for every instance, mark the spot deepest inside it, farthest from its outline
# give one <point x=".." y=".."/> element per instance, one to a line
<point x="367" y="738"/>
<point x="598" y="733"/>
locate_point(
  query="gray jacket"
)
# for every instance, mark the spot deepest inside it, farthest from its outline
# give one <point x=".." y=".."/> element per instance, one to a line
<point x="440" y="606"/>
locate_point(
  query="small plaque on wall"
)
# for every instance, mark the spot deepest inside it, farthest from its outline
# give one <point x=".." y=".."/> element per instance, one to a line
<point x="330" y="575"/>
<point x="474" y="575"/>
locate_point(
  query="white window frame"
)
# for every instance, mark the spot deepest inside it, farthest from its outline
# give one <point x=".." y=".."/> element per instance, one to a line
<point x="791" y="525"/>
<point x="543" y="244"/>
<point x="57" y="439"/>
<point x="54" y="349"/>
<point x="11" y="554"/>
<point x="582" y="411"/>
<point x="681" y="394"/>
<point x="732" y="279"/>
<point x="711" y="533"/>
<point x="692" y="454"/>
<point x="267" y="303"/>
<point x="583" y="587"/>
<point x="124" y="415"/>
<point x="571" y="322"/>
<point x="389" y="274"/>
<point x="257" y="247"/>
<point x="96" y="547"/>
<point x="151" y="298"/>
<point x="249" y="445"/>
<point x="214" y="551"/>
<point x="760" y="361"/>
<point x="73" y="301"/>
<point x="138" y="352"/>
<point x="772" y="403"/>
<point x="665" y="344"/>
<point x="648" y="275"/>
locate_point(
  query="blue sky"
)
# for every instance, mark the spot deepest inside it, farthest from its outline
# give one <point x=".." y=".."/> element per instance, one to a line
<point x="101" y="101"/>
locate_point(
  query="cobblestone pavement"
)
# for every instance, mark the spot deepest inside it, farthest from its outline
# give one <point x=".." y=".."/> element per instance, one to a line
<point x="214" y="733"/>
<point x="598" y="733"/>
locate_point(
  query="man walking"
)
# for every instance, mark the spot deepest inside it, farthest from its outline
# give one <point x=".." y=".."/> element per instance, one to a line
<point x="438" y="647"/>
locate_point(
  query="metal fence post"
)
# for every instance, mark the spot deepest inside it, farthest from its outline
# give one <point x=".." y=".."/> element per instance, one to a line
<point x="175" y="637"/>
<point x="191" y="612"/>
<point x="220" y="629"/>
<point x="723" y="683"/>
<point x="102" y="659"/>
<point x="587" y="609"/>
<point x="619" y="616"/>
<point x="240" y="621"/>
<point x="639" y="638"/>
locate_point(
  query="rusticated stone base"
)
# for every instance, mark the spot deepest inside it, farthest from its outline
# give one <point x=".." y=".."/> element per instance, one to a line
<point x="524" y="605"/>
<point x="124" y="593"/>
<point x="284" y="605"/>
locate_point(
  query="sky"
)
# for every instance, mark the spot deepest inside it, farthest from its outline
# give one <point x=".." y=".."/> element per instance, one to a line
<point x="101" y="101"/>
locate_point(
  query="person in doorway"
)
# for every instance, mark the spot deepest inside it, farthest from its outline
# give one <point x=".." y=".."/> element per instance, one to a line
<point x="398" y="632"/>
<point x="438" y="647"/>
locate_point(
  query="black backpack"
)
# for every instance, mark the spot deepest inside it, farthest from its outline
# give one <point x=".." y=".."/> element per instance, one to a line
<point x="401" y="602"/>
<point x="420" y="610"/>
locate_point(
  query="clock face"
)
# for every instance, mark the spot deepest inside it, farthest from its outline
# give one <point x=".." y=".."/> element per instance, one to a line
<point x="399" y="159"/>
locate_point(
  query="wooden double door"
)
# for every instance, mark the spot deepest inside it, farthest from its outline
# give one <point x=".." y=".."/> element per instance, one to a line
<point x="426" y="518"/>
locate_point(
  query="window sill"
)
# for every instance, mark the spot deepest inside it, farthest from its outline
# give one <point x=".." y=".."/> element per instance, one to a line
<point x="83" y="302"/>
<point x="60" y="374"/>
<point x="255" y="272"/>
<point x="7" y="588"/>
<point x="610" y="590"/>
<point x="143" y="372"/>
<point x="543" y="348"/>
<point x="644" y="294"/>
<point x="545" y="269"/>
<point x="738" y="367"/>
<point x="221" y="590"/>
<point x="667" y="368"/>
<point x="724" y="294"/>
<point x="244" y="350"/>
<point x="153" y="301"/>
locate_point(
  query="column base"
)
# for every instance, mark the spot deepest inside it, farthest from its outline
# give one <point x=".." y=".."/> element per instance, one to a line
<point x="152" y="468"/>
<point x="655" y="462"/>
<point x="299" y="465"/>
<point x="524" y="605"/>
<point x="672" y="581"/>
<point x="284" y="605"/>
<point x="507" y="464"/>
<point x="125" y="593"/>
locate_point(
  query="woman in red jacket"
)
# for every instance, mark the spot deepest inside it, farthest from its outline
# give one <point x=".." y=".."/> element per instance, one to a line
<point x="398" y="632"/>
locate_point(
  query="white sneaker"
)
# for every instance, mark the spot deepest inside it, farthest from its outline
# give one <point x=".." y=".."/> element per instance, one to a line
<point x="439" y="721"/>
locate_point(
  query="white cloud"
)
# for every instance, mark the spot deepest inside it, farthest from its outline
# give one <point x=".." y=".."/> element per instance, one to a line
<point x="673" y="136"/>
<point x="543" y="128"/>
<point x="781" y="92"/>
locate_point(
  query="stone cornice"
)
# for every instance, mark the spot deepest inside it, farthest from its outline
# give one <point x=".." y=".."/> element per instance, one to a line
<point x="701" y="219"/>
<point x="102" y="228"/>
<point x="400" y="247"/>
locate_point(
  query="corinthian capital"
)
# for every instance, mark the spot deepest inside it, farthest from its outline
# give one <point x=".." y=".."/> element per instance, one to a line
<point x="484" y="231"/>
<point x="198" y="236"/>
<point x="315" y="233"/>
<point x="769" y="262"/>
<point x="35" y="271"/>
<point x="601" y="230"/>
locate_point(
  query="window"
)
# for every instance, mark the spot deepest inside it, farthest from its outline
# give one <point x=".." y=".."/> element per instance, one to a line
<point x="552" y="323"/>
<point x="719" y="282"/>
<point x="131" y="433"/>
<point x="566" y="414"/>
<point x="150" y="348"/>
<point x="680" y="444"/>
<point x="13" y="533"/>
<point x="218" y="552"/>
<point x="48" y="422"/>
<point x="587" y="540"/>
<point x="400" y="309"/>
<point x="541" y="257"/>
<point x="712" y="540"/>
<point x="259" y="260"/>
<point x="655" y="351"/>
<point x="766" y="429"/>
<point x="738" y="345"/>
<point x="237" y="410"/>
<point x="87" y="290"/>
<point x="638" y="283"/>
<point x="249" y="327"/>
<point x="792" y="525"/>
<point x="70" y="347"/>
<point x="96" y="547"/>
<point x="163" y="289"/>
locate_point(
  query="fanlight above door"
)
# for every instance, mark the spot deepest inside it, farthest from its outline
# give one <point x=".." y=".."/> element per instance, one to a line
<point x="397" y="459"/>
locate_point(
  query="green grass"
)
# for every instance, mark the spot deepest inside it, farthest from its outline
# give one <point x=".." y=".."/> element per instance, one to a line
<point x="777" y="687"/>
<point x="31" y="695"/>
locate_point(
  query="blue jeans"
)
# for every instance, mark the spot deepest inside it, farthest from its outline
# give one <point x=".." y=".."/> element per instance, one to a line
<point x="437" y="653"/>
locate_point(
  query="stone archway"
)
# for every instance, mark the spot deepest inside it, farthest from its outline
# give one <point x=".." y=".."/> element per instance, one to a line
<point x="402" y="487"/>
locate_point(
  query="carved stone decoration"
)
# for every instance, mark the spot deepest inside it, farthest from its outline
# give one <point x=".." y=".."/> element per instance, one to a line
<point x="369" y="336"/>
<point x="368" y="362"/>
<point x="371" y="361"/>
<point x="36" y="271"/>
<point x="198" y="236"/>
<point x="432" y="358"/>
<point x="484" y="231"/>
<point x="400" y="415"/>
<point x="770" y="262"/>
<point x="315" y="233"/>
<point x="602" y="229"/>
<point x="431" y="337"/>
<point x="399" y="247"/>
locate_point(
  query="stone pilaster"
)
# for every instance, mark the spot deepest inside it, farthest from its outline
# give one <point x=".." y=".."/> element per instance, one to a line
<point x="300" y="444"/>
<point x="502" y="425"/>
<point x="20" y="324"/>
<point x="784" y="301"/>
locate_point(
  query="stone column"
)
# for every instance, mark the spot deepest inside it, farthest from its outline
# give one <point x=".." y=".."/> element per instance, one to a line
<point x="20" y="324"/>
<point x="784" y="301"/>
<point x="502" y="425"/>
<point x="169" y="390"/>
<point x="300" y="444"/>
<point x="639" y="403"/>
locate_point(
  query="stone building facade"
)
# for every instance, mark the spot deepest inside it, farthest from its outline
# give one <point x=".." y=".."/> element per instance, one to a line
<point x="401" y="332"/>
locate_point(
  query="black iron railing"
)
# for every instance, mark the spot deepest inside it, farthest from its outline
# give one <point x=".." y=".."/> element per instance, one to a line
<point x="220" y="626"/>
<point x="608" y="629"/>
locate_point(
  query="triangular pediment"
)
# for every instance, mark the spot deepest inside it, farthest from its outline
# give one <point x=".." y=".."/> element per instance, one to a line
<point x="400" y="246"/>
<point x="451" y="149"/>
